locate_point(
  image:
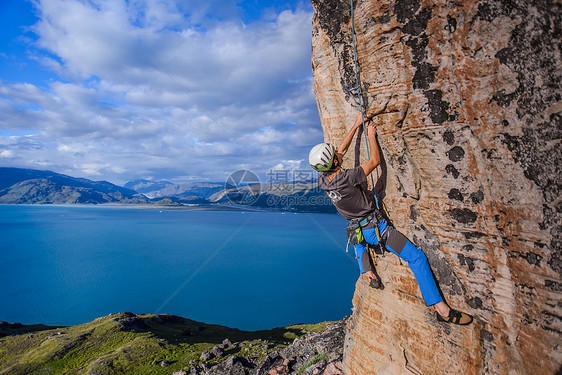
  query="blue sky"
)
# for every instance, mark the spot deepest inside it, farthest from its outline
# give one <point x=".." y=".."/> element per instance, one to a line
<point x="178" y="90"/>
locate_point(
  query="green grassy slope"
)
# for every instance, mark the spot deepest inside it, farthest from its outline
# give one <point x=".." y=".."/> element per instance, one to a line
<point x="126" y="343"/>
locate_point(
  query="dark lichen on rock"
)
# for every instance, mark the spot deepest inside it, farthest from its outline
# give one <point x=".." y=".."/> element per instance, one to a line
<point x="477" y="196"/>
<point x="456" y="154"/>
<point x="449" y="137"/>
<point x="406" y="9"/>
<point x="455" y="193"/>
<point x="463" y="215"/>
<point x="450" y="169"/>
<point x="438" y="108"/>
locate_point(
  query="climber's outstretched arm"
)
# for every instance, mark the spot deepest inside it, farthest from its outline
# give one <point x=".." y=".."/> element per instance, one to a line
<point x="374" y="152"/>
<point x="344" y="145"/>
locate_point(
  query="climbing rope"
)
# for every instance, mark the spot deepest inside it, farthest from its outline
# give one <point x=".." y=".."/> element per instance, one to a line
<point x="358" y="87"/>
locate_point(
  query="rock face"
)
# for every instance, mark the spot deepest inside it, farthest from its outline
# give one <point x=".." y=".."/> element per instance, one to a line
<point x="467" y="100"/>
<point x="315" y="353"/>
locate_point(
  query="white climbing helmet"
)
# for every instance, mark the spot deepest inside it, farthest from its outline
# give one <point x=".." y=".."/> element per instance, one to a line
<point x="321" y="157"/>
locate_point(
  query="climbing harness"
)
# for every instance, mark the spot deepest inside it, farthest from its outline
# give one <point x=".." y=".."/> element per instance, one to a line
<point x="355" y="234"/>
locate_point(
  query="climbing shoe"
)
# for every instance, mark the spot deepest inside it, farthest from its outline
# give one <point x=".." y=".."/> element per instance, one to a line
<point x="376" y="284"/>
<point x="455" y="317"/>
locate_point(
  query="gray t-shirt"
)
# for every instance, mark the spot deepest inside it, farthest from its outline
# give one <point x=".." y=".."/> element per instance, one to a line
<point x="348" y="192"/>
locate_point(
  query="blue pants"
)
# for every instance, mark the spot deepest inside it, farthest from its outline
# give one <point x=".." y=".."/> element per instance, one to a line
<point x="416" y="259"/>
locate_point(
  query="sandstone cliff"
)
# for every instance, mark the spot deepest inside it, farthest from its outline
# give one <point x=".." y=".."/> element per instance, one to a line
<point x="468" y="98"/>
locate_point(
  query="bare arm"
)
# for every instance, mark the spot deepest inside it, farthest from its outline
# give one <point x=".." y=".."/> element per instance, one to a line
<point x="344" y="145"/>
<point x="374" y="152"/>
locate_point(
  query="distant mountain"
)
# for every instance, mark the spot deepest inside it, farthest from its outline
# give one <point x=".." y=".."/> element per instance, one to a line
<point x="291" y="197"/>
<point x="29" y="186"/>
<point x="190" y="190"/>
<point x="147" y="187"/>
<point x="196" y="192"/>
<point x="297" y="197"/>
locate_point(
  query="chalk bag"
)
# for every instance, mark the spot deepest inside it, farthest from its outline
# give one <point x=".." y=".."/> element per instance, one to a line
<point x="354" y="232"/>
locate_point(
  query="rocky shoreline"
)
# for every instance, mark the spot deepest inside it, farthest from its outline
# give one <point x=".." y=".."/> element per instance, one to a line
<point x="315" y="353"/>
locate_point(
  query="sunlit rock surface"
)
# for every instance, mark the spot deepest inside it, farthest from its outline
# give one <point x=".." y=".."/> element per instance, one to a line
<point x="468" y="98"/>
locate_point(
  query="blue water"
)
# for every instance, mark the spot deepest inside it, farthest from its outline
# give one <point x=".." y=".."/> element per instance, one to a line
<point x="66" y="265"/>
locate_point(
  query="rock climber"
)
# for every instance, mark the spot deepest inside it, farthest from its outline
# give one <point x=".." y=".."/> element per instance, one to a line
<point x="347" y="188"/>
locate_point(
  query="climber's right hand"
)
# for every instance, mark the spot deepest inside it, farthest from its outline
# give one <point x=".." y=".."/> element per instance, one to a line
<point x="371" y="129"/>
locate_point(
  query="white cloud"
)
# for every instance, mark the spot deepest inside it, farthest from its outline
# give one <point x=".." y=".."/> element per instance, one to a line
<point x="129" y="74"/>
<point x="91" y="169"/>
<point x="6" y="154"/>
<point x="288" y="165"/>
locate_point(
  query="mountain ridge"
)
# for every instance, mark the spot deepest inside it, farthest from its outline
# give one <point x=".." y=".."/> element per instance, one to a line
<point x="23" y="186"/>
<point x="30" y="186"/>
